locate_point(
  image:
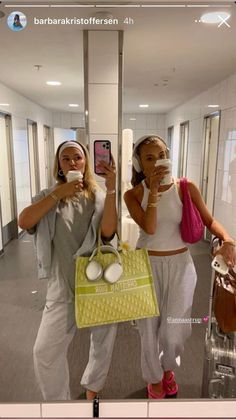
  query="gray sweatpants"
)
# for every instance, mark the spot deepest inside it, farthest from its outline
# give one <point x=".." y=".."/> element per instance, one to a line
<point x="175" y="279"/>
<point x="55" y="333"/>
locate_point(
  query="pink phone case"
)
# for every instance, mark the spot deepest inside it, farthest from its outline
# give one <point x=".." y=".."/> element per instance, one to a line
<point x="102" y="151"/>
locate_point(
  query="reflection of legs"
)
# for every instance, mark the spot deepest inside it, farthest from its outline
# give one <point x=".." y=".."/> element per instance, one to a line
<point x="176" y="310"/>
<point x="55" y="333"/>
<point x="150" y="363"/>
<point x="175" y="279"/>
<point x="149" y="332"/>
<point x="102" y="340"/>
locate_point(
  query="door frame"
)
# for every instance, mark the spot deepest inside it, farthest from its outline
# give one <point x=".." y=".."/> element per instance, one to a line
<point x="36" y="153"/>
<point x="12" y="226"/>
<point x="48" y="152"/>
<point x="170" y="138"/>
<point x="205" y="160"/>
<point x="181" y="162"/>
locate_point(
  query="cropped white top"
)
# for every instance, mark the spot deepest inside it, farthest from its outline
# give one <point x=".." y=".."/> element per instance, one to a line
<point x="169" y="215"/>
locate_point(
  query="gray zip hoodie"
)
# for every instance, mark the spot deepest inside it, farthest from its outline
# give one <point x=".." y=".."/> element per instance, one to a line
<point x="44" y="232"/>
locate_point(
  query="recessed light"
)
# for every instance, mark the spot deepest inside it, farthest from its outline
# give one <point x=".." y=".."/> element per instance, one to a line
<point x="143" y="106"/>
<point x="213" y="106"/>
<point x="132" y="119"/>
<point x="4" y="104"/>
<point x="215" y="17"/>
<point x="73" y="105"/>
<point x="53" y="83"/>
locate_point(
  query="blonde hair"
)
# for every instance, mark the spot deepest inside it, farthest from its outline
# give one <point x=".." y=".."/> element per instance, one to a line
<point x="138" y="177"/>
<point x="89" y="182"/>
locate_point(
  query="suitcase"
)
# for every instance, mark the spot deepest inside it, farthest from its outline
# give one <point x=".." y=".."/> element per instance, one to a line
<point x="219" y="369"/>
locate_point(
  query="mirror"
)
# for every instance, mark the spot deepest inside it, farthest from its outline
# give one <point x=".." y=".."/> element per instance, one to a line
<point x="184" y="69"/>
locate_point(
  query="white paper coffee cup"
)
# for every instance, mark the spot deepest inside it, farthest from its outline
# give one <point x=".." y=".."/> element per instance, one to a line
<point x="74" y="175"/>
<point x="167" y="163"/>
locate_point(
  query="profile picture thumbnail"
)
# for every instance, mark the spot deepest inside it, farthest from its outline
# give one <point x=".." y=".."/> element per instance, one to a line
<point x="17" y="21"/>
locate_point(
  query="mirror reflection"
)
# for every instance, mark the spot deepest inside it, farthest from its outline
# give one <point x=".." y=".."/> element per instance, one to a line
<point x="178" y="85"/>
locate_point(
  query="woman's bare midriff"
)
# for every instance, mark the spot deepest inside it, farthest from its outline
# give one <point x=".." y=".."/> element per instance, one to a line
<point x="167" y="252"/>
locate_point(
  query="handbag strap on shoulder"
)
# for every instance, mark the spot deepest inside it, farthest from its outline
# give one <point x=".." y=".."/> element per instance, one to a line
<point x="183" y="183"/>
<point x="184" y="187"/>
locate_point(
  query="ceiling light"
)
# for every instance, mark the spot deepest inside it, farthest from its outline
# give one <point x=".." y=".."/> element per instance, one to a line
<point x="213" y="106"/>
<point x="215" y="17"/>
<point x="132" y="119"/>
<point x="143" y="106"/>
<point x="4" y="104"/>
<point x="53" y="83"/>
<point x="73" y="105"/>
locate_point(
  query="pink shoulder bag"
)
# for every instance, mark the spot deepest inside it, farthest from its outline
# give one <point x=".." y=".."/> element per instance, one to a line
<point x="191" y="226"/>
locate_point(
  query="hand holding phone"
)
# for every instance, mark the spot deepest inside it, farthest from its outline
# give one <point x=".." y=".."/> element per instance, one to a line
<point x="102" y="152"/>
<point x="219" y="265"/>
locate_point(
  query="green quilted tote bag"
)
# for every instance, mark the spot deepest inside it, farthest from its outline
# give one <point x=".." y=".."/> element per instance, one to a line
<point x="131" y="297"/>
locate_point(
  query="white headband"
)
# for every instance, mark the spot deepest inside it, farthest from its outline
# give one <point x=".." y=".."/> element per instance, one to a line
<point x="71" y="144"/>
<point x="135" y="157"/>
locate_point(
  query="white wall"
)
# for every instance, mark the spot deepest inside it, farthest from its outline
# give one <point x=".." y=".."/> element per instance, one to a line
<point x="22" y="109"/>
<point x="61" y="134"/>
<point x="67" y="120"/>
<point x="224" y="95"/>
<point x="21" y="158"/>
<point x="145" y="124"/>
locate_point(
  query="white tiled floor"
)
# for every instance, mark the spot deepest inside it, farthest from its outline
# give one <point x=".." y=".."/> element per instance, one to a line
<point x="119" y="409"/>
<point x="20" y="410"/>
<point x="136" y="409"/>
<point x="72" y="410"/>
<point x="197" y="409"/>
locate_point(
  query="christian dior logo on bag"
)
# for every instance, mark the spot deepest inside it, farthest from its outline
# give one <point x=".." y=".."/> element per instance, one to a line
<point x="101" y="288"/>
<point x="225" y="370"/>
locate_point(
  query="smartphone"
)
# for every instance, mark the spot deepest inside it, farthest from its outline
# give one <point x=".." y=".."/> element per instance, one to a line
<point x="102" y="151"/>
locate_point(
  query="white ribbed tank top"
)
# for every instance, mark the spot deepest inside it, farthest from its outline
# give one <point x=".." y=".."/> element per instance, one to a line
<point x="169" y="215"/>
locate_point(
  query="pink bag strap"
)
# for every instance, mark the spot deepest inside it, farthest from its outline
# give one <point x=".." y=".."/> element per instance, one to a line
<point x="184" y="187"/>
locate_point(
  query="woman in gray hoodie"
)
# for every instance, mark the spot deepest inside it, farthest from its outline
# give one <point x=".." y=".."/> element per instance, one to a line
<point x="65" y="220"/>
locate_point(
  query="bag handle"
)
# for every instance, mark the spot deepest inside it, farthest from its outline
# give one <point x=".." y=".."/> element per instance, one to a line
<point x="101" y="246"/>
<point x="104" y="248"/>
<point x="184" y="188"/>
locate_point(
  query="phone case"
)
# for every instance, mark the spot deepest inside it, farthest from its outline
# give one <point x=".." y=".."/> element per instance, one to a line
<point x="102" y="151"/>
<point x="219" y="265"/>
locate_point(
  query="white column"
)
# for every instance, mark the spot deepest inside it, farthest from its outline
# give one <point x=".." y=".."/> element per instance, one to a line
<point x="103" y="55"/>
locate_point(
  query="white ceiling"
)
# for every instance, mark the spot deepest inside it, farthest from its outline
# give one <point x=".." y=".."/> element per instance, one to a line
<point x="162" y="44"/>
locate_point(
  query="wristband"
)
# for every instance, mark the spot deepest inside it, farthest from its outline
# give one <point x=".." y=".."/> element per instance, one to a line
<point x="111" y="192"/>
<point x="54" y="196"/>
<point x="153" y="194"/>
<point x="152" y="205"/>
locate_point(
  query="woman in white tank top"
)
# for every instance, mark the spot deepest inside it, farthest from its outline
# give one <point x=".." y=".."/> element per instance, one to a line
<point x="157" y="209"/>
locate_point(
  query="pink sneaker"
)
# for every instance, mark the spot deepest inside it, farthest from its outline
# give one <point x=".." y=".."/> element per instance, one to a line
<point x="152" y="395"/>
<point x="167" y="383"/>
